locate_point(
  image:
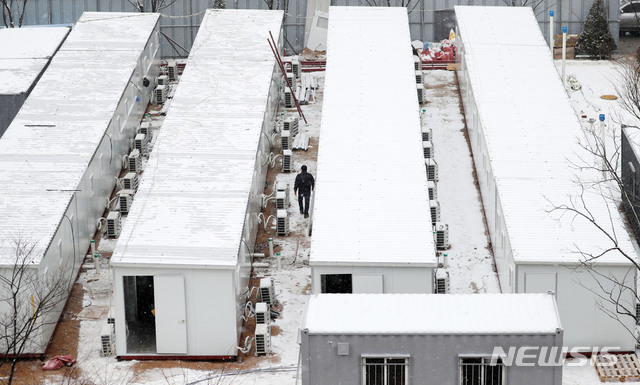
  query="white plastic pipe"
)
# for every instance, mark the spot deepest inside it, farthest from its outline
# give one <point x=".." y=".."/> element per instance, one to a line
<point x="564" y="52"/>
<point x="270" y="247"/>
<point x="279" y="261"/>
<point x="551" y="37"/>
<point x="93" y="247"/>
<point x="445" y="261"/>
<point x="96" y="263"/>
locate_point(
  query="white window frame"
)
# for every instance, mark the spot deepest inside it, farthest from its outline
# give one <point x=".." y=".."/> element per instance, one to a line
<point x="385" y="366"/>
<point x="486" y="361"/>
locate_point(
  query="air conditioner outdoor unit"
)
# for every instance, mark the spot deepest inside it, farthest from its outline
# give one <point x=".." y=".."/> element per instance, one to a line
<point x="267" y="292"/>
<point x="145" y="128"/>
<point x="417" y="63"/>
<point x="130" y="181"/>
<point x="163" y="80"/>
<point x="113" y="224"/>
<point x="427" y="149"/>
<point x="427" y="134"/>
<point x="285" y="140"/>
<point x="288" y="98"/>
<point x="108" y="340"/>
<point x="435" y="211"/>
<point x="159" y="95"/>
<point x="140" y="143"/>
<point x="433" y="190"/>
<point x="432" y="169"/>
<point x="442" y="282"/>
<point x="291" y="78"/>
<point x="422" y="95"/>
<point x="287" y="161"/>
<point x="419" y="77"/>
<point x="135" y="161"/>
<point x="263" y="339"/>
<point x="282" y="224"/>
<point x="263" y="314"/>
<point x="296" y="68"/>
<point x="441" y="236"/>
<point x="291" y="124"/>
<point x="172" y="70"/>
<point x="282" y="201"/>
<point x="125" y="198"/>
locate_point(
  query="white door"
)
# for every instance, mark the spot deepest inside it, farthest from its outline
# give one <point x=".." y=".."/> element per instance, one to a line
<point x="171" y="320"/>
<point x="367" y="284"/>
<point x="540" y="282"/>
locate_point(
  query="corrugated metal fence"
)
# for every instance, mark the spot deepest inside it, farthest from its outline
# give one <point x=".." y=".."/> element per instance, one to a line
<point x="429" y="19"/>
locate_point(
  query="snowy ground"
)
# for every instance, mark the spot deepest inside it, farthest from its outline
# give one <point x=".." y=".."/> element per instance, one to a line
<point x="470" y="259"/>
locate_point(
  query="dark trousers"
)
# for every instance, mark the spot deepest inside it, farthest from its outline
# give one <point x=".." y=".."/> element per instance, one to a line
<point x="303" y="209"/>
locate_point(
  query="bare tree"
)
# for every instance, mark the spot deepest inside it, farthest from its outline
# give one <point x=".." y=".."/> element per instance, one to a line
<point x="156" y="5"/>
<point x="30" y="300"/>
<point x="13" y="12"/>
<point x="628" y="88"/>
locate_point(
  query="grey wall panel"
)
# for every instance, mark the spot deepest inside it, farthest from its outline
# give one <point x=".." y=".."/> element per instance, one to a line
<point x="9" y="107"/>
<point x="181" y="20"/>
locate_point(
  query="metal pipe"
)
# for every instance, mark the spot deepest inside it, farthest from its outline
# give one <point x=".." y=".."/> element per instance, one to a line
<point x="564" y="52"/>
<point x="551" y="37"/>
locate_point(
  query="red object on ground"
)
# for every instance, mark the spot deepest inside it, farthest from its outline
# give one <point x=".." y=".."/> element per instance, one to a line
<point x="58" y="361"/>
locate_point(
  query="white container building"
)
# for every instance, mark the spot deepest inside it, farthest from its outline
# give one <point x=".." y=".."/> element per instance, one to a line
<point x="524" y="136"/>
<point x="371" y="219"/>
<point x="431" y="339"/>
<point x="61" y="154"/>
<point x="25" y="53"/>
<point x="185" y="249"/>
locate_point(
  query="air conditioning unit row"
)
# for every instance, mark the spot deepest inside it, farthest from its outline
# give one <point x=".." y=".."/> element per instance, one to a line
<point x="442" y="282"/>
<point x="433" y="190"/>
<point x="267" y="291"/>
<point x="282" y="222"/>
<point x="441" y="235"/>
<point x="263" y="339"/>
<point x="427" y="149"/>
<point x="435" y="211"/>
<point x="114" y="224"/>
<point x="432" y="169"/>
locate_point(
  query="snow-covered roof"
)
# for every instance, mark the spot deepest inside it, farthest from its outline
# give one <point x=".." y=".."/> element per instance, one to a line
<point x="432" y="314"/>
<point x="371" y="205"/>
<point x="532" y="135"/>
<point x="46" y="150"/>
<point x="192" y="200"/>
<point x="24" y="52"/>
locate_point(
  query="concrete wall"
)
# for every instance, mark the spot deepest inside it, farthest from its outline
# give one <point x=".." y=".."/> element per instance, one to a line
<point x="433" y="359"/>
<point x="180" y="29"/>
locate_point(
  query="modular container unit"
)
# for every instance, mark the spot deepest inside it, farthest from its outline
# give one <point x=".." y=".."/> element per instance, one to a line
<point x="630" y="169"/>
<point x="431" y="339"/>
<point x="24" y="55"/>
<point x="525" y="141"/>
<point x="185" y="249"/>
<point x="60" y="156"/>
<point x="371" y="219"/>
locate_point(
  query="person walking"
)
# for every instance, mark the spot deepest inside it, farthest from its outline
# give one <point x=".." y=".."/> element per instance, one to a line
<point x="302" y="188"/>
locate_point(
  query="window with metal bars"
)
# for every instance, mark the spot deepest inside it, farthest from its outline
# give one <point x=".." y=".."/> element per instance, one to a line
<point x="482" y="371"/>
<point x="385" y="371"/>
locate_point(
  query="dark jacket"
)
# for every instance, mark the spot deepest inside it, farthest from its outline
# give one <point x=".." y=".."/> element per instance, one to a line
<point x="304" y="183"/>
